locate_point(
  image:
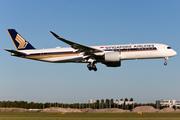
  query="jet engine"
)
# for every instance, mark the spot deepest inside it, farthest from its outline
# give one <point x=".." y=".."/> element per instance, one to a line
<point x="112" y="57"/>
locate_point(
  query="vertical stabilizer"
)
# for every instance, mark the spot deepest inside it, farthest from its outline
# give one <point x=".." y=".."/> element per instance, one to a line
<point x="19" y="42"/>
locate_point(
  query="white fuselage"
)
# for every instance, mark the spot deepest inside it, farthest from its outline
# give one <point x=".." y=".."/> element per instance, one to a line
<point x="127" y="51"/>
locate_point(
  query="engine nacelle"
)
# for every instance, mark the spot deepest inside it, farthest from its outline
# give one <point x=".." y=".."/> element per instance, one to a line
<point x="112" y="64"/>
<point x="112" y="57"/>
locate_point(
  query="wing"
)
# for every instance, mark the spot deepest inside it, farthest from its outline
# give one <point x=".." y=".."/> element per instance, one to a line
<point x="15" y="52"/>
<point x="81" y="48"/>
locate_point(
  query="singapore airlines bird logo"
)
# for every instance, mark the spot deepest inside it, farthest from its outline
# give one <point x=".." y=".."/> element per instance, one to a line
<point x="21" y="41"/>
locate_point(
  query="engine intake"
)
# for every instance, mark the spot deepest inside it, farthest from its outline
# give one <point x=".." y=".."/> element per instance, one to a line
<point x="112" y="57"/>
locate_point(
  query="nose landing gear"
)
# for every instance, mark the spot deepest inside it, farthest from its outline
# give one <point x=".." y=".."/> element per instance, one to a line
<point x="165" y="63"/>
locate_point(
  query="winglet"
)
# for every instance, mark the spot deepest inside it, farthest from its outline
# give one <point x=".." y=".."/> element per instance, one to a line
<point x="60" y="38"/>
<point x="54" y="34"/>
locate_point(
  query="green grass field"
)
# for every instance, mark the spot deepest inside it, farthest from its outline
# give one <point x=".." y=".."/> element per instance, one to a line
<point x="88" y="116"/>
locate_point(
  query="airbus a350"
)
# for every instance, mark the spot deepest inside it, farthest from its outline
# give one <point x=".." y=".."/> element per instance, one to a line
<point x="110" y="55"/>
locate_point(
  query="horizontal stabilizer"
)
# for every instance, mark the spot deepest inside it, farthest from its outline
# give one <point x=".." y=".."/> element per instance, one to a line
<point x="15" y="52"/>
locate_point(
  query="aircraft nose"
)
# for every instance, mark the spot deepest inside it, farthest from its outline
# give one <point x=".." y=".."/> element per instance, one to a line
<point x="174" y="53"/>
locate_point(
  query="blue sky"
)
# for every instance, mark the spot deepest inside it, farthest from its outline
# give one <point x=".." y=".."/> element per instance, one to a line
<point x="89" y="22"/>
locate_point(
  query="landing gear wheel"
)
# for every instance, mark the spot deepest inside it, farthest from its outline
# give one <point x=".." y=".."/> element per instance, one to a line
<point x="91" y="67"/>
<point x="165" y="63"/>
<point x="94" y="68"/>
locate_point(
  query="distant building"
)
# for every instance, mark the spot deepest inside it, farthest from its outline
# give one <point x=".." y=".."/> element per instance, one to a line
<point x="92" y="101"/>
<point x="123" y="102"/>
<point x="169" y="103"/>
<point x="129" y="102"/>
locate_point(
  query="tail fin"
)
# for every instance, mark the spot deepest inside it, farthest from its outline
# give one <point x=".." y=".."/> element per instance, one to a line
<point x="19" y="42"/>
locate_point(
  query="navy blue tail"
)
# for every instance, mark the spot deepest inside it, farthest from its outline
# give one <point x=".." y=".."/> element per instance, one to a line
<point x="19" y="42"/>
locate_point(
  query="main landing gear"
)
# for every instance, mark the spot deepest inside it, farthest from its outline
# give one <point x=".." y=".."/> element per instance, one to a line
<point x="165" y="63"/>
<point x="92" y="67"/>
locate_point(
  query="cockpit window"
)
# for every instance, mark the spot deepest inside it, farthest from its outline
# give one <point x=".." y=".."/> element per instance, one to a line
<point x="168" y="47"/>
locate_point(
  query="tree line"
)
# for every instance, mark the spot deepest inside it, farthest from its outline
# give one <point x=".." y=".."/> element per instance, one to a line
<point x="99" y="104"/>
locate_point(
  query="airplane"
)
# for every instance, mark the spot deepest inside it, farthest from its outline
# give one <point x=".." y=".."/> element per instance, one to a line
<point x="110" y="55"/>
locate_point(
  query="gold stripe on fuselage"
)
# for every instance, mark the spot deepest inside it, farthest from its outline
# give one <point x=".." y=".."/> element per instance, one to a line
<point x="42" y="56"/>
